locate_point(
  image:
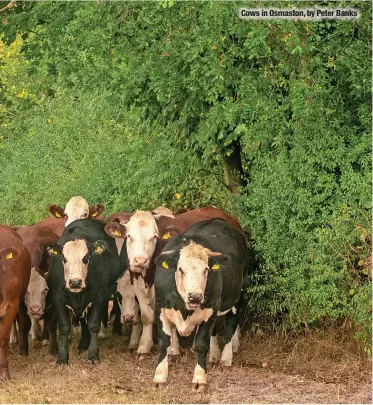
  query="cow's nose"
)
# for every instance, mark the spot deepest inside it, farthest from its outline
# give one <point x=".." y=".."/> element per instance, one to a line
<point x="75" y="282"/>
<point x="36" y="309"/>
<point x="195" y="298"/>
<point x="128" y="318"/>
<point x="140" y="261"/>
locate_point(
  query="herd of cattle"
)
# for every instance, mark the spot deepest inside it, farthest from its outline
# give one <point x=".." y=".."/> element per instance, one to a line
<point x="180" y="276"/>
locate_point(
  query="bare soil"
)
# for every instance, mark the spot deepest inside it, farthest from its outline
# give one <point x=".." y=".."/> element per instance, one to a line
<point x="312" y="368"/>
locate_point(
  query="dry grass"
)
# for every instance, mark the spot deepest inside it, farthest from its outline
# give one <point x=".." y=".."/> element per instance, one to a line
<point x="311" y="369"/>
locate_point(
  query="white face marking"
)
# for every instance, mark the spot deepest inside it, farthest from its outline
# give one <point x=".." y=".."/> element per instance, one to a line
<point x="76" y="208"/>
<point x="128" y="308"/>
<point x="36" y="295"/>
<point x="142" y="234"/>
<point x="75" y="262"/>
<point x="191" y="274"/>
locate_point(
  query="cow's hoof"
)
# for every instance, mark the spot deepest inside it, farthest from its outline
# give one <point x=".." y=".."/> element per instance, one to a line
<point x="160" y="385"/>
<point x="53" y="351"/>
<point x="62" y="362"/>
<point x="143" y="356"/>
<point x="94" y="362"/>
<point x="173" y="352"/>
<point x="199" y="387"/>
<point x="4" y="374"/>
<point x="45" y="342"/>
<point x="23" y="352"/>
<point x="226" y="363"/>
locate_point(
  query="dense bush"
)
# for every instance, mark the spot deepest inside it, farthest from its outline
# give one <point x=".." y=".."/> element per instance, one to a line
<point x="136" y="104"/>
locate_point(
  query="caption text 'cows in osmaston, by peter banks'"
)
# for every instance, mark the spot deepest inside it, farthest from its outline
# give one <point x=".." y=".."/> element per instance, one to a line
<point x="321" y="13"/>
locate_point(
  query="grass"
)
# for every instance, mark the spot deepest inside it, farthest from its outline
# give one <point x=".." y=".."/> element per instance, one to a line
<point x="313" y="368"/>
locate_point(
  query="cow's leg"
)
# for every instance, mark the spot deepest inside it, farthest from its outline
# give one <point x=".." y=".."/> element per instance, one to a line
<point x="104" y="320"/>
<point x="147" y="318"/>
<point x="215" y="353"/>
<point x="174" y="349"/>
<point x="231" y="321"/>
<point x="4" y="368"/>
<point x="117" y="326"/>
<point x="85" y="338"/>
<point x="5" y="328"/>
<point x="36" y="330"/>
<point x="135" y="336"/>
<point x="24" y="323"/>
<point x="236" y="340"/>
<point x="202" y="342"/>
<point x="94" y="323"/>
<point x="50" y="323"/>
<point x="64" y="328"/>
<point x="14" y="334"/>
<point x="164" y="340"/>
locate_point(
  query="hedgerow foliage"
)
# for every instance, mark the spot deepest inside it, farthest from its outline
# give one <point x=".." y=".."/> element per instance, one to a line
<point x="136" y="104"/>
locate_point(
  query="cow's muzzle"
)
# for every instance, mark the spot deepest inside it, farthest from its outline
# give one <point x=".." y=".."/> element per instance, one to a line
<point x="75" y="283"/>
<point x="36" y="312"/>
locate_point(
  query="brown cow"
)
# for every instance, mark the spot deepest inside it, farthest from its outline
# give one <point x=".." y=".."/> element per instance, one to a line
<point x="35" y="240"/>
<point x="15" y="267"/>
<point x="146" y="235"/>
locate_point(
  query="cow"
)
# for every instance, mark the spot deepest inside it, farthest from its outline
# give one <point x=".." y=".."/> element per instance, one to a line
<point x="15" y="267"/>
<point x="199" y="283"/>
<point x="76" y="208"/>
<point x="83" y="275"/>
<point x="37" y="297"/>
<point x="146" y="234"/>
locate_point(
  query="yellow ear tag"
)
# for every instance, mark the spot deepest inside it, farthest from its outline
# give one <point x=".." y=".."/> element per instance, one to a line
<point x="166" y="236"/>
<point x="9" y="255"/>
<point x="117" y="233"/>
<point x="54" y="252"/>
<point x="94" y="214"/>
<point x="215" y="267"/>
<point x="98" y="249"/>
<point x="165" y="265"/>
<point x="57" y="215"/>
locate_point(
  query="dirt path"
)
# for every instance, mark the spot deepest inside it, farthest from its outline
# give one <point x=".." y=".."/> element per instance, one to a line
<point x="121" y="378"/>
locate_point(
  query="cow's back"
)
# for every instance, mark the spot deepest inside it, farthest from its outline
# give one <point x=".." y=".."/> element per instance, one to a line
<point x="57" y="225"/>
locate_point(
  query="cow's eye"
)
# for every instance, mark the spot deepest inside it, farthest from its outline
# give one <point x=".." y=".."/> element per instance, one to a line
<point x="85" y="259"/>
<point x="130" y="238"/>
<point x="85" y="215"/>
<point x="206" y="270"/>
<point x="181" y="271"/>
<point x="63" y="259"/>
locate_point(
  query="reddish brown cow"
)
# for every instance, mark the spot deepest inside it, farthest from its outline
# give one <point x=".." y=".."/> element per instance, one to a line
<point x="56" y="225"/>
<point x="15" y="267"/>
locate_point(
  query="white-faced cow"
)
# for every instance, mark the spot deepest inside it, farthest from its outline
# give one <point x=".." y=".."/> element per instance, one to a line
<point x="83" y="275"/>
<point x="76" y="208"/>
<point x="198" y="283"/>
<point x="145" y="235"/>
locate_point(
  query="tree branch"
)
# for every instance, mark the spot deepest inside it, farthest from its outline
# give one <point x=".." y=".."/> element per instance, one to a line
<point x="9" y="5"/>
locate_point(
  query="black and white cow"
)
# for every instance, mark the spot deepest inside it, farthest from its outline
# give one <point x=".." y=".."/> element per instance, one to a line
<point x="199" y="279"/>
<point x="83" y="274"/>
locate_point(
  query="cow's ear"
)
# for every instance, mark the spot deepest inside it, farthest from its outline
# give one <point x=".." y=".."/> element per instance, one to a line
<point x="41" y="273"/>
<point x="56" y="210"/>
<point x="53" y="249"/>
<point x="8" y="254"/>
<point x="99" y="247"/>
<point x="115" y="230"/>
<point x="167" y="260"/>
<point x="216" y="262"/>
<point x="171" y="231"/>
<point x="95" y="210"/>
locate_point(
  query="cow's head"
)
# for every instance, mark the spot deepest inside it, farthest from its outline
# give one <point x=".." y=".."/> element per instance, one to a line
<point x="76" y="208"/>
<point x="141" y="233"/>
<point x="192" y="265"/>
<point x="127" y="305"/>
<point x="36" y="294"/>
<point x="75" y="256"/>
